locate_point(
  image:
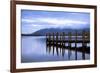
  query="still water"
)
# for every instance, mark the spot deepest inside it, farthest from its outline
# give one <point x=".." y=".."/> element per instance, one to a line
<point x="34" y="50"/>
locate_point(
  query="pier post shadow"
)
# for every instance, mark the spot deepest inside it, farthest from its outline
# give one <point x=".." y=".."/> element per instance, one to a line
<point x="69" y="45"/>
<point x="53" y="42"/>
<point x="57" y="34"/>
<point x="83" y="45"/>
<point x="49" y="43"/>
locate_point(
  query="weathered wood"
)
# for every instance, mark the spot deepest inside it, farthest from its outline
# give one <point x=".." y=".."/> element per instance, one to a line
<point x="63" y="38"/>
<point x="79" y="49"/>
<point x="58" y="40"/>
<point x="76" y="45"/>
<point x="57" y="43"/>
<point x="53" y="37"/>
<point x="83" y="45"/>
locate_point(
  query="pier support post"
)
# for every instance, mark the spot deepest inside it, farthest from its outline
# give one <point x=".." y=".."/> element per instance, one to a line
<point x="76" y="45"/>
<point x="83" y="45"/>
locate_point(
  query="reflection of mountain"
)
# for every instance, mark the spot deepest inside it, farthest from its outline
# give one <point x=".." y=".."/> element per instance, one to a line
<point x="43" y="32"/>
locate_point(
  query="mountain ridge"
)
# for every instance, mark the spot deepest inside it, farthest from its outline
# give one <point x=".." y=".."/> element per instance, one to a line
<point x="43" y="32"/>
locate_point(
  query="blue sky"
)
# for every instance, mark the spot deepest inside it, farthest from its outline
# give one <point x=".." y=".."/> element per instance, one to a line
<point x="34" y="20"/>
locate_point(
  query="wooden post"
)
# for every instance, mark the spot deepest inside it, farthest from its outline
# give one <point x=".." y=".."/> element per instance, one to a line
<point x="53" y="42"/>
<point x="85" y="38"/>
<point x="83" y="45"/>
<point x="49" y="40"/>
<point x="60" y="39"/>
<point x="70" y="39"/>
<point x="46" y="42"/>
<point x="57" y="43"/>
<point x="88" y="36"/>
<point x="76" y="45"/>
<point x="69" y="45"/>
<point x="61" y="43"/>
<point x="63" y="39"/>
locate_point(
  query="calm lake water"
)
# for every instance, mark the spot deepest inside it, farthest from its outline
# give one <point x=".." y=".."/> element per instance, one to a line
<point x="34" y="50"/>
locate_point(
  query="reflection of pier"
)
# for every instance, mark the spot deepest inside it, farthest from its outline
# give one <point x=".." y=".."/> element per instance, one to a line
<point x="62" y="41"/>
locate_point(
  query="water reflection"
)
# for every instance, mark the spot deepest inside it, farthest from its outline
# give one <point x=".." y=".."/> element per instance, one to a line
<point x="61" y="51"/>
<point x="60" y="42"/>
<point x="35" y="49"/>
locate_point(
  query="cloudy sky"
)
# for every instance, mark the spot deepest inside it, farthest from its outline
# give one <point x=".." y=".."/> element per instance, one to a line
<point x="34" y="20"/>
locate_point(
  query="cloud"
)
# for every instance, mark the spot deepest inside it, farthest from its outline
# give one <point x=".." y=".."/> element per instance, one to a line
<point x="61" y="21"/>
<point x="49" y="22"/>
<point x="54" y="21"/>
<point x="34" y="24"/>
<point x="28" y="20"/>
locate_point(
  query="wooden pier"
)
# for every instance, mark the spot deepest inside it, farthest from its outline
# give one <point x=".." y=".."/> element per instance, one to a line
<point x="59" y="40"/>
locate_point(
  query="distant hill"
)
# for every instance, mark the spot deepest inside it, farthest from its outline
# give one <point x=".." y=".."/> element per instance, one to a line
<point x="43" y="32"/>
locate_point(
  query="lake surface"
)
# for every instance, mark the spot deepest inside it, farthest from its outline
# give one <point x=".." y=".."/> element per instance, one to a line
<point x="34" y="49"/>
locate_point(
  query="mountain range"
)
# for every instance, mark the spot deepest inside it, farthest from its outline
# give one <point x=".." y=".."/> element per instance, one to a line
<point x="43" y="32"/>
